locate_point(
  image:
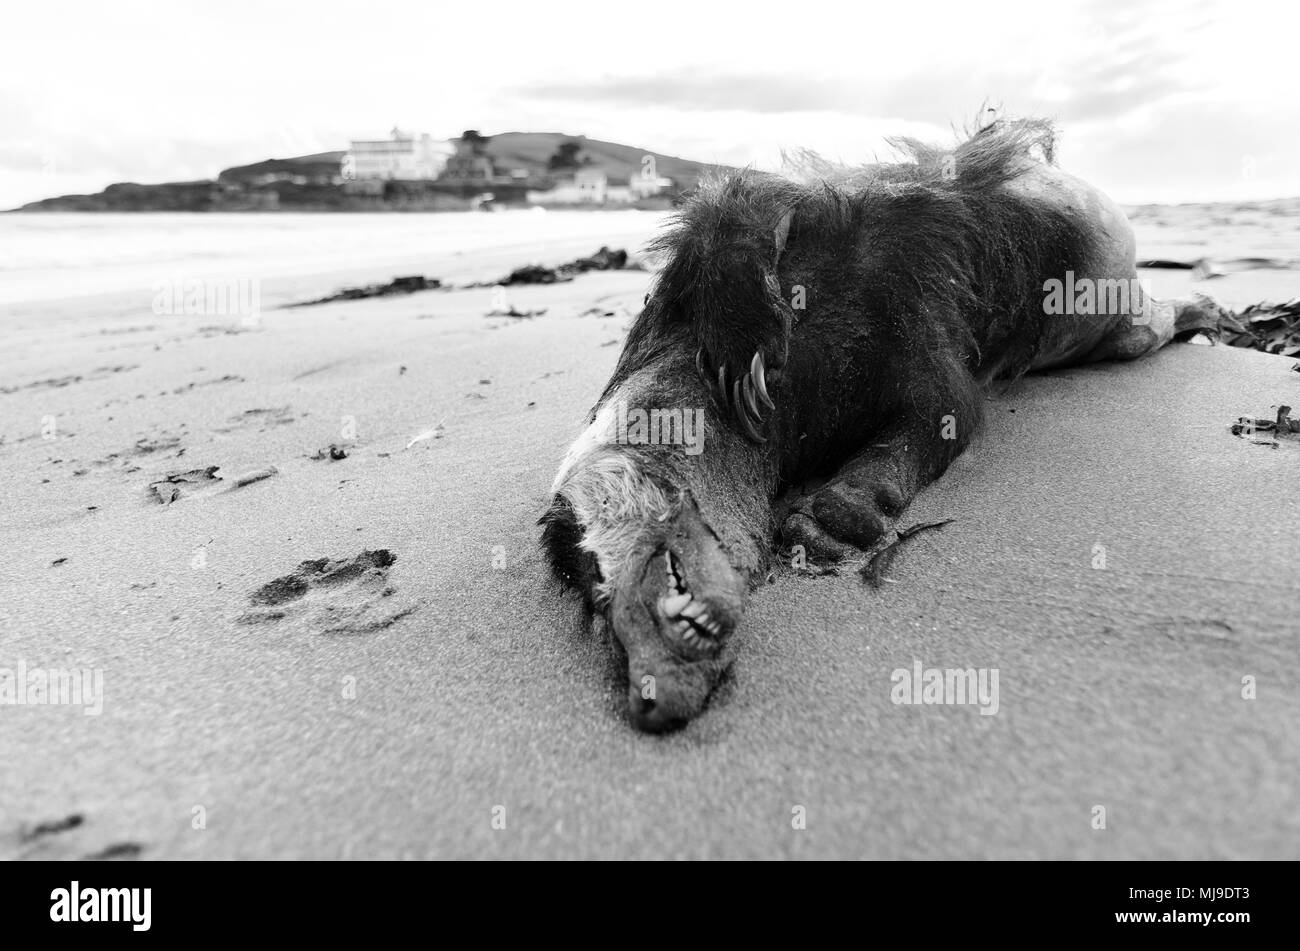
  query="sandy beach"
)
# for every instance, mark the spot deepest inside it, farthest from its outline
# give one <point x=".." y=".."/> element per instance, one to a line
<point x="386" y="700"/>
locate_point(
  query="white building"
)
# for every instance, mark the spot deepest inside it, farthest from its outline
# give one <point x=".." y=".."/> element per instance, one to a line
<point x="403" y="156"/>
<point x="619" y="192"/>
<point x="645" y="185"/>
<point x="587" y="187"/>
<point x="591" y="186"/>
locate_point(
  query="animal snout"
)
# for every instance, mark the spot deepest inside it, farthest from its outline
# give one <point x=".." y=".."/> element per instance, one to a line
<point x="653" y="705"/>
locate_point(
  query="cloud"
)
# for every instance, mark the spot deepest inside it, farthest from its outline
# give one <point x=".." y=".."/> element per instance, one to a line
<point x="922" y="98"/>
<point x="1109" y="82"/>
<point x="1192" y="151"/>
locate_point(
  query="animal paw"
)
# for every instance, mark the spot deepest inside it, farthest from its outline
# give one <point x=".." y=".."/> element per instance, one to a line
<point x="843" y="515"/>
<point x="1203" y="314"/>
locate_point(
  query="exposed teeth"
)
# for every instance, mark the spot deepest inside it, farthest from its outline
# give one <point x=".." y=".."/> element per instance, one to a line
<point x="690" y="628"/>
<point x="674" y="584"/>
<point x="675" y="604"/>
<point x="690" y="618"/>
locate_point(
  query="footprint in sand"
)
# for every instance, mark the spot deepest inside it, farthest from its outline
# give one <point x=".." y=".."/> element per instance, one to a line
<point x="333" y="596"/>
<point x="64" y="838"/>
<point x="264" y="418"/>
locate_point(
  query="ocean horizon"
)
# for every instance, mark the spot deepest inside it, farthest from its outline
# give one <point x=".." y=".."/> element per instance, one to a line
<point x="64" y="255"/>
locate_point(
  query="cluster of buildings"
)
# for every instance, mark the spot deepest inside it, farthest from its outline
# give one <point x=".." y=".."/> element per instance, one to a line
<point x="368" y="164"/>
<point x="592" y="186"/>
<point x="400" y="157"/>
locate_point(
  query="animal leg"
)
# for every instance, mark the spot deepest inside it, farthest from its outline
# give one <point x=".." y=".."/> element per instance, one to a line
<point x="1159" y="323"/>
<point x="863" y="500"/>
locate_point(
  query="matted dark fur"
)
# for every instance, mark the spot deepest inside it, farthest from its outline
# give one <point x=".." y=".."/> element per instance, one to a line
<point x="929" y="256"/>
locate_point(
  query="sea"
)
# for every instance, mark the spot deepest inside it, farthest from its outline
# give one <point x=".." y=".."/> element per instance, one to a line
<point x="66" y="256"/>
<point x="69" y="257"/>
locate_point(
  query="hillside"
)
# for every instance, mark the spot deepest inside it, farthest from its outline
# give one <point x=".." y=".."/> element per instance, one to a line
<point x="531" y="150"/>
<point x="311" y="182"/>
<point x="322" y="164"/>
<point x="508" y="150"/>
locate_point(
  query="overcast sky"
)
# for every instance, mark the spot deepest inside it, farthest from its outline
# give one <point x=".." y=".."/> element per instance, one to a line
<point x="1179" y="101"/>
